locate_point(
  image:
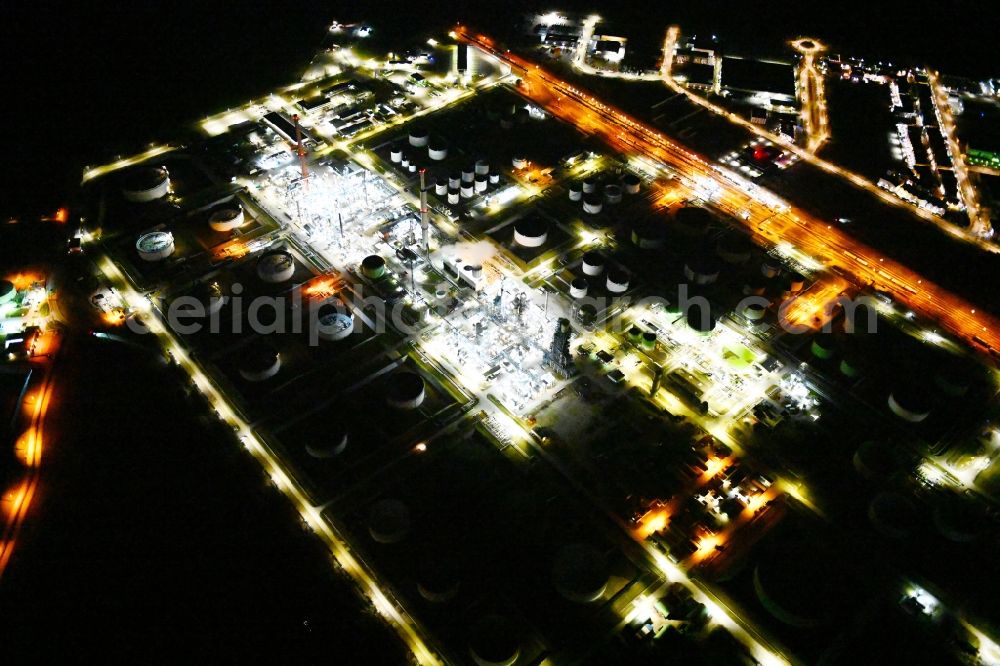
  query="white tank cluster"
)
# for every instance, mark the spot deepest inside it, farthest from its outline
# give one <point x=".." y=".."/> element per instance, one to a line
<point x="453" y="195"/>
<point x="419" y="137"/>
<point x="468" y="173"/>
<point x="276" y="266"/>
<point x="531" y="232"/>
<point x="155" y="246"/>
<point x="335" y="444"/>
<point x="617" y="281"/>
<point x="482" y="167"/>
<point x="481" y="182"/>
<point x="406" y="390"/>
<point x="440" y="186"/>
<point x="144" y="184"/>
<point x="454" y="180"/>
<point x="260" y="364"/>
<point x="227" y="219"/>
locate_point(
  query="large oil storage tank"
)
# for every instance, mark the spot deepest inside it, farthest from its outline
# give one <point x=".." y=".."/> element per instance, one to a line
<point x="592" y="204"/>
<point x="531" y="232"/>
<point x="418" y="137"/>
<point x="227" y="219"/>
<point x="155" y="246"/>
<point x="212" y="295"/>
<point x="754" y="311"/>
<point x="692" y="220"/>
<point x="893" y="515"/>
<point x="438" y="576"/>
<point x="333" y="325"/>
<point x="631" y="183"/>
<point x="406" y="390"/>
<point x="454" y="180"/>
<point x="701" y="320"/>
<point x="589" y="185"/>
<point x="482" y="167"/>
<point x="389" y="521"/>
<point x="7" y="291"/>
<point x="649" y="234"/>
<point x="702" y="268"/>
<point x="440" y="186"/>
<point x="519" y="161"/>
<point x="875" y="460"/>
<point x="468" y="173"/>
<point x="580" y="573"/>
<point x="910" y="403"/>
<point x="617" y="281"/>
<point x="592" y="263"/>
<point x="734" y="249"/>
<point x="954" y="377"/>
<point x="805" y="587"/>
<point x="575" y="192"/>
<point x="437" y="150"/>
<point x="494" y="642"/>
<point x="259" y="363"/>
<point x="612" y="193"/>
<point x="373" y="267"/>
<point x="481" y="182"/>
<point x="144" y="184"/>
<point x="333" y="444"/>
<point x="578" y="287"/>
<point x="276" y="266"/>
<point x="824" y="346"/>
<point x="395" y="154"/>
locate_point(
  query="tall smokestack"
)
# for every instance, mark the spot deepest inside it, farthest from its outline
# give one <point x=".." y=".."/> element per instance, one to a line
<point x="424" y="219"/>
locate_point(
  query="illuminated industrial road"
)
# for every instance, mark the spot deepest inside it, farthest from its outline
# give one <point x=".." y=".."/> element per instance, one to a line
<point x="769" y="220"/>
<point x="812" y="94"/>
<point x="390" y="609"/>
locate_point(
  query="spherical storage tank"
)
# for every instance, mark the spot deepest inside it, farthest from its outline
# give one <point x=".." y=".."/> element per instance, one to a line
<point x="617" y="281"/>
<point x="227" y="219"/>
<point x="144" y="184"/>
<point x="275" y="266"/>
<point x="405" y="390"/>
<point x="531" y="232"/>
<point x="155" y="246"/>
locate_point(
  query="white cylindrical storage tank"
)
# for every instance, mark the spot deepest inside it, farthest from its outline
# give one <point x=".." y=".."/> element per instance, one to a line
<point x="592" y="204"/>
<point x="754" y="311"/>
<point x="531" y="232"/>
<point x="453" y="196"/>
<point x="494" y="179"/>
<point x="412" y="168"/>
<point x="630" y="183"/>
<point x="702" y="269"/>
<point x="481" y="183"/>
<point x="437" y="150"/>
<point x="578" y="287"/>
<point x="454" y="180"/>
<point x="334" y="326"/>
<point x="612" y="193"/>
<point x="575" y="192"/>
<point x="519" y="161"/>
<point x="589" y="186"/>
<point x="146" y="184"/>
<point x="155" y="246"/>
<point x="909" y="405"/>
<point x="418" y="137"/>
<point x="405" y="161"/>
<point x="770" y="268"/>
<point x="482" y="167"/>
<point x="227" y="219"/>
<point x="593" y="263"/>
<point x="468" y="189"/>
<point x="441" y="186"/>
<point x="468" y="174"/>
<point x="276" y="266"/>
<point x="617" y="281"/>
<point x="406" y="390"/>
<point x="212" y="297"/>
<point x="260" y="364"/>
<point x="395" y="154"/>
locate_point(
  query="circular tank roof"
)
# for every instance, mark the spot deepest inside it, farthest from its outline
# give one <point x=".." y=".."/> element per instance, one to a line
<point x="494" y="641"/>
<point x="144" y="178"/>
<point x="593" y="258"/>
<point x="580" y="572"/>
<point x="372" y="262"/>
<point x="531" y="227"/>
<point x="579" y="283"/>
<point x="155" y="241"/>
<point x="389" y="521"/>
<point x="259" y="358"/>
<point x="405" y="386"/>
<point x="275" y="260"/>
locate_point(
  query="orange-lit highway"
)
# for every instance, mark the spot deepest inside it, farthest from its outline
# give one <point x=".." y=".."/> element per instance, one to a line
<point x="769" y="220"/>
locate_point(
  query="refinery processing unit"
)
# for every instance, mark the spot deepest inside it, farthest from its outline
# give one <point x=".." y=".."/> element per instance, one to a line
<point x="565" y="373"/>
